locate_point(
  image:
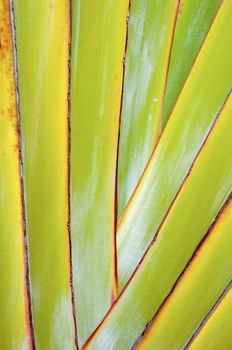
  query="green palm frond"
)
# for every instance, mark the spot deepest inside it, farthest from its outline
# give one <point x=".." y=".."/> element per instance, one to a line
<point x="115" y="174"/>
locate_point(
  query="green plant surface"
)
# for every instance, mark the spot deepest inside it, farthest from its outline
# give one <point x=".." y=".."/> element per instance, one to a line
<point x="42" y="40"/>
<point x="193" y="22"/>
<point x="150" y="32"/>
<point x="200" y="287"/>
<point x="194" y="114"/>
<point x="194" y="210"/>
<point x="115" y="174"/>
<point x="14" y="312"/>
<point x="216" y="333"/>
<point x="98" y="46"/>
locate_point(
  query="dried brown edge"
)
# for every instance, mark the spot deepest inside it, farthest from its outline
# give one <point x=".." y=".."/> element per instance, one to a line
<point x="210" y="314"/>
<point x="185" y="273"/>
<point x="21" y="167"/>
<point x="127" y="208"/>
<point x="115" y="289"/>
<point x="69" y="4"/>
<point x="159" y="229"/>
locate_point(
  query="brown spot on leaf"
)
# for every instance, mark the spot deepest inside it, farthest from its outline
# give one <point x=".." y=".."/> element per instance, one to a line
<point x="5" y="30"/>
<point x="51" y="5"/>
<point x="16" y="147"/>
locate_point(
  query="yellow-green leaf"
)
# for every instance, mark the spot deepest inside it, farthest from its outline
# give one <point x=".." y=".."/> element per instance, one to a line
<point x="98" y="45"/>
<point x="15" y="332"/>
<point x="216" y="333"/>
<point x="193" y="116"/>
<point x="194" y="210"/>
<point x="150" y="33"/>
<point x="193" y="22"/>
<point x="42" y="39"/>
<point x="199" y="288"/>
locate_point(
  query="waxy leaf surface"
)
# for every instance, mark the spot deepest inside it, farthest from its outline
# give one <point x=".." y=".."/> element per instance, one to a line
<point x="42" y="40"/>
<point x="150" y="32"/>
<point x="188" y="126"/>
<point x="192" y="213"/>
<point x="98" y="45"/>
<point x="216" y="333"/>
<point x="202" y="283"/>
<point x="193" y="22"/>
<point x="15" y="330"/>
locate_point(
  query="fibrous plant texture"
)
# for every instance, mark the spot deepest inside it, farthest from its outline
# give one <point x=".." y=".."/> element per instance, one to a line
<point x="115" y="174"/>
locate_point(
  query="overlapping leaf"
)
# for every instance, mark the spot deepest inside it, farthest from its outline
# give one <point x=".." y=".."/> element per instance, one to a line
<point x="177" y="239"/>
<point x="199" y="288"/>
<point x="216" y="333"/>
<point x="189" y="124"/>
<point x="150" y="33"/>
<point x="194" y="19"/>
<point x="185" y="186"/>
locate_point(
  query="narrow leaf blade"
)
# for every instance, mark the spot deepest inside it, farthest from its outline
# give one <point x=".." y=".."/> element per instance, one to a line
<point x="209" y="183"/>
<point x="203" y="282"/>
<point x="216" y="334"/>
<point x="150" y="33"/>
<point x="42" y="38"/>
<point x="193" y="22"/>
<point x="191" y="120"/>
<point x="98" y="45"/>
<point x="15" y="329"/>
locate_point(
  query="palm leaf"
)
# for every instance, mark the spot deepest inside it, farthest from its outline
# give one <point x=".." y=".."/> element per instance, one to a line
<point x="191" y="120"/>
<point x="15" y="331"/>
<point x="176" y="241"/>
<point x="84" y="88"/>
<point x="193" y="23"/>
<point x="156" y="30"/>
<point x="42" y="57"/>
<point x="96" y="85"/>
<point x="203" y="282"/>
<point x="216" y="333"/>
<point x="150" y="32"/>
